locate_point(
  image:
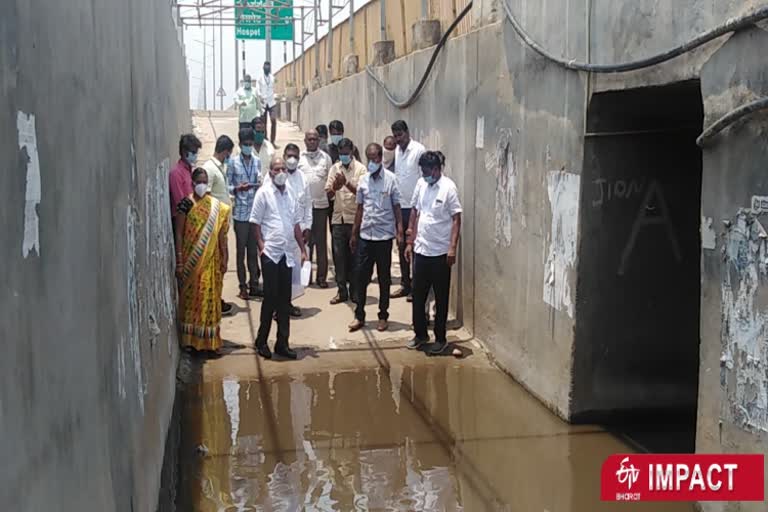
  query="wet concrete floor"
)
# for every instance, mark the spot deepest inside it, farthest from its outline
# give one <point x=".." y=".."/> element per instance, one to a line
<point x="361" y="423"/>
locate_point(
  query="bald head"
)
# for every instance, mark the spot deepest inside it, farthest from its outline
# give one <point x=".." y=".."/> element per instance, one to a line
<point x="311" y="140"/>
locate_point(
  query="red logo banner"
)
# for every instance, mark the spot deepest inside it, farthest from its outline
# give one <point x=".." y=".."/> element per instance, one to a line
<point x="647" y="477"/>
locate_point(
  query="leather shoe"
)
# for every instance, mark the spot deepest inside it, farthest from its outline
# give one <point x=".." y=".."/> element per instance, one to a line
<point x="382" y="326"/>
<point x="263" y="350"/>
<point x="402" y="292"/>
<point x="283" y="350"/>
<point x="356" y="325"/>
<point x="294" y="311"/>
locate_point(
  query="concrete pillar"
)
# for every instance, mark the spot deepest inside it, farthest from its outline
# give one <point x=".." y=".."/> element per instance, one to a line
<point x="351" y="64"/>
<point x="426" y="33"/>
<point x="383" y="52"/>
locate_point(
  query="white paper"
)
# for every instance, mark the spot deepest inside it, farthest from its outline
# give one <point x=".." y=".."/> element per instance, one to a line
<point x="480" y="135"/>
<point x="306" y="272"/>
<point x="297" y="288"/>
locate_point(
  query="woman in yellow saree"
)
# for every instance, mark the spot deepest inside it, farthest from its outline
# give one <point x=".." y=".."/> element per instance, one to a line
<point x="201" y="260"/>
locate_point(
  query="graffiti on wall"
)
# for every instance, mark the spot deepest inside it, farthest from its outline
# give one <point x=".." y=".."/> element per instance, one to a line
<point x="563" y="190"/>
<point x="744" y="333"/>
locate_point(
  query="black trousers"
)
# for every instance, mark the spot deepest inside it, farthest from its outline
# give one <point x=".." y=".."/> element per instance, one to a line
<point x="405" y="268"/>
<point x="380" y="254"/>
<point x="277" y="297"/>
<point x="344" y="260"/>
<point x="246" y="244"/>
<point x="319" y="241"/>
<point x="434" y="273"/>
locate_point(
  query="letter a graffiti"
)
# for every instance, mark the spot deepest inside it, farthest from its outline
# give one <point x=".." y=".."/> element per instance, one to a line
<point x="644" y="219"/>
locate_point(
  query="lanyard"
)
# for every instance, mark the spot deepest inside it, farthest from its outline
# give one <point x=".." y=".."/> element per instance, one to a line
<point x="248" y="173"/>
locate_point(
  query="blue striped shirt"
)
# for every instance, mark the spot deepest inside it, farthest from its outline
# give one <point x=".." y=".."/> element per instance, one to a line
<point x="237" y="174"/>
<point x="379" y="196"/>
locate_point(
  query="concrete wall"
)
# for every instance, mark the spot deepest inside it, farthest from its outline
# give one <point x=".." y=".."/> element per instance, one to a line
<point x="93" y="96"/>
<point x="522" y="183"/>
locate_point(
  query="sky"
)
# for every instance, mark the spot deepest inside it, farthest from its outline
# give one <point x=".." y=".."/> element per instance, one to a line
<point x="255" y="51"/>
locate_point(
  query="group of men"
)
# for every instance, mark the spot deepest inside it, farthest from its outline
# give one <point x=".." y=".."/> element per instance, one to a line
<point x="283" y="206"/>
<point x="259" y="102"/>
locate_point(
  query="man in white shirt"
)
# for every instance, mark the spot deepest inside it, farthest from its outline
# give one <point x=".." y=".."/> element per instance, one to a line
<point x="276" y="221"/>
<point x="248" y="102"/>
<point x="266" y="84"/>
<point x="216" y="168"/>
<point x="297" y="182"/>
<point x="315" y="164"/>
<point x="435" y="226"/>
<point x="407" y="155"/>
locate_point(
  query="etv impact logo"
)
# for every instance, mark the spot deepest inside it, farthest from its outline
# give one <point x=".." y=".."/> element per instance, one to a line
<point x="682" y="478"/>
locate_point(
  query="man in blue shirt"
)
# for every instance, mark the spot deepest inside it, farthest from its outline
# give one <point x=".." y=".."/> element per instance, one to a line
<point x="243" y="181"/>
<point x="378" y="221"/>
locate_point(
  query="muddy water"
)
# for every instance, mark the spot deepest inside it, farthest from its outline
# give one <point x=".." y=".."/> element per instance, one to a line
<point x="432" y="438"/>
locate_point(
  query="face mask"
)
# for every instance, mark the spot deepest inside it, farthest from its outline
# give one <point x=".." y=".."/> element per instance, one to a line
<point x="247" y="86"/>
<point x="280" y="179"/>
<point x="191" y="158"/>
<point x="345" y="159"/>
<point x="373" y="167"/>
<point x="228" y="161"/>
<point x="259" y="137"/>
<point x="247" y="150"/>
<point x="335" y="139"/>
<point x="430" y="179"/>
<point x="388" y="157"/>
<point x="201" y="189"/>
<point x="292" y="163"/>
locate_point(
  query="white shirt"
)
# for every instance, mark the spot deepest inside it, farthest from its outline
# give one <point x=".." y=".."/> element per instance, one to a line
<point x="277" y="213"/>
<point x="298" y="184"/>
<point x="217" y="180"/>
<point x="266" y="84"/>
<point x="407" y="170"/>
<point x="436" y="204"/>
<point x="266" y="153"/>
<point x="315" y="169"/>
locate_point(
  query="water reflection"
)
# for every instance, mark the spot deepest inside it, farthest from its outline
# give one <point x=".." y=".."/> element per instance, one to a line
<point x="433" y="438"/>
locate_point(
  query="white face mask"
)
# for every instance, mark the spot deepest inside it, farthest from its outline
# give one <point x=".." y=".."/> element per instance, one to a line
<point x="280" y="179"/>
<point x="201" y="189"/>
<point x="292" y="163"/>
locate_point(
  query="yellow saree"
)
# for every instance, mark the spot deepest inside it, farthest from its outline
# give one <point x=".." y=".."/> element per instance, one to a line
<point x="201" y="277"/>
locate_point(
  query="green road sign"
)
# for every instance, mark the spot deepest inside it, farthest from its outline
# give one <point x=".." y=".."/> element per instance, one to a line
<point x="251" y="22"/>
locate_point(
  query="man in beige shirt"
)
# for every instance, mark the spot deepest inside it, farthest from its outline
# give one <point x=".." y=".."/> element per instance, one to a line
<point x="342" y="186"/>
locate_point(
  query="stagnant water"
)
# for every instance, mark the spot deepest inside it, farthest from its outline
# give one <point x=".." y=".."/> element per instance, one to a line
<point x="438" y="437"/>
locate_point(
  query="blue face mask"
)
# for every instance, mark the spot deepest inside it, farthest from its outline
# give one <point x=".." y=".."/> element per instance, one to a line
<point x="335" y="139"/>
<point x="373" y="167"/>
<point x="259" y="137"/>
<point x="228" y="161"/>
<point x="345" y="159"/>
<point x="191" y="158"/>
<point x="247" y="150"/>
<point x="429" y="179"/>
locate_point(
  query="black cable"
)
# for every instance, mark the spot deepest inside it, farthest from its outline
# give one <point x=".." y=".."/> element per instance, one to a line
<point x="731" y="25"/>
<point x="407" y="103"/>
<point x="730" y="118"/>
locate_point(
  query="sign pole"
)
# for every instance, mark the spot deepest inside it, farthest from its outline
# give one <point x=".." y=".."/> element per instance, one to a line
<point x="269" y="30"/>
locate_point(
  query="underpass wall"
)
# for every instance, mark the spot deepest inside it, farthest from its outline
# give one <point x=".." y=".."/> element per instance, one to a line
<point x="520" y="183"/>
<point x="93" y="99"/>
<point x="514" y="284"/>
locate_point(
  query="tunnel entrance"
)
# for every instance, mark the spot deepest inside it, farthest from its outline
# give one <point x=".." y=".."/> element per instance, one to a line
<point x="636" y="358"/>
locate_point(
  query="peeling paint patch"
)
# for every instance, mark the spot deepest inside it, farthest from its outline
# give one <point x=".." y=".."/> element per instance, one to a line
<point x="134" y="346"/>
<point x="158" y="239"/>
<point x="708" y="237"/>
<point x="563" y="190"/>
<point x="27" y="134"/>
<point x="744" y="337"/>
<point x="501" y="163"/>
